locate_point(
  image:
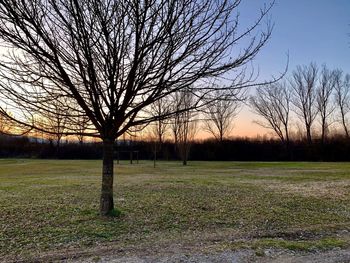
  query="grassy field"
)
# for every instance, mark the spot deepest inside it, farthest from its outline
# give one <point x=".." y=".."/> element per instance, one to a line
<point x="51" y="206"/>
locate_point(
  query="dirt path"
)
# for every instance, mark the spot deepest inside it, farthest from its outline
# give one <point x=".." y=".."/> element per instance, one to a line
<point x="242" y="256"/>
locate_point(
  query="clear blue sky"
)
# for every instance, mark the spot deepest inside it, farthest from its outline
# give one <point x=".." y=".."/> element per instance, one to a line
<point x="309" y="30"/>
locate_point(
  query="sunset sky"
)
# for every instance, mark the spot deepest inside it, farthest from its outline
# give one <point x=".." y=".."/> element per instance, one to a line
<point x="304" y="31"/>
<point x="309" y="31"/>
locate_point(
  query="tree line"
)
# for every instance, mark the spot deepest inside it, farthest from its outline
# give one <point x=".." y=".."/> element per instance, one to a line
<point x="300" y="109"/>
<point x="316" y="99"/>
<point x="310" y="108"/>
<point x="336" y="148"/>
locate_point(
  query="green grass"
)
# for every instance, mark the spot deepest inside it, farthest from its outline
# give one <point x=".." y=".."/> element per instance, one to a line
<point x="51" y="205"/>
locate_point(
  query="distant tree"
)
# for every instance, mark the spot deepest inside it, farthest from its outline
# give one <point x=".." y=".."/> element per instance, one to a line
<point x="81" y="126"/>
<point x="116" y="58"/>
<point x="160" y="126"/>
<point x="342" y="98"/>
<point x="219" y="115"/>
<point x="304" y="91"/>
<point x="272" y="103"/>
<point x="326" y="86"/>
<point x="184" y="124"/>
<point x="56" y="119"/>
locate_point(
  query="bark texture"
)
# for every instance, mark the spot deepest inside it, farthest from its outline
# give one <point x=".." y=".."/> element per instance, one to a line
<point x="106" y="202"/>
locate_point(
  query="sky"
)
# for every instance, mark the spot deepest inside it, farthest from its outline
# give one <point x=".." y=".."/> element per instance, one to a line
<point x="309" y="31"/>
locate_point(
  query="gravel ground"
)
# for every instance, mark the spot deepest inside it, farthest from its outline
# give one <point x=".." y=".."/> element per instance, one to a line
<point x="243" y="256"/>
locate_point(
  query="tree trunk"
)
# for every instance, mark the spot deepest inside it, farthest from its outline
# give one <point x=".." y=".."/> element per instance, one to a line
<point x="323" y="136"/>
<point x="323" y="131"/>
<point x="106" y="202"/>
<point x="184" y="153"/>
<point x="289" y="151"/>
<point x="344" y="124"/>
<point x="308" y="135"/>
<point x="221" y="135"/>
<point x="155" y="155"/>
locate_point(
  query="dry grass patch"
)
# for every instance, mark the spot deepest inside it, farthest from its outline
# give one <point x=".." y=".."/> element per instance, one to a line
<point x="50" y="205"/>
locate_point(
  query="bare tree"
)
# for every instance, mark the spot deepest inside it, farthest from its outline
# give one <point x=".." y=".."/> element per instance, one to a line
<point x="55" y="120"/>
<point x="304" y="90"/>
<point x="160" y="126"/>
<point x="219" y="114"/>
<point x="273" y="104"/>
<point x="342" y="98"/>
<point x="184" y="125"/>
<point x="327" y="83"/>
<point x="81" y="126"/>
<point x="115" y="58"/>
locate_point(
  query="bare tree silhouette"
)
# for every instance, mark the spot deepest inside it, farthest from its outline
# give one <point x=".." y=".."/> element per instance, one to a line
<point x="160" y="126"/>
<point x="115" y="58"/>
<point x="184" y="124"/>
<point x="325" y="105"/>
<point x="342" y="98"/>
<point x="273" y="104"/>
<point x="304" y="90"/>
<point x="219" y="114"/>
<point x="55" y="120"/>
